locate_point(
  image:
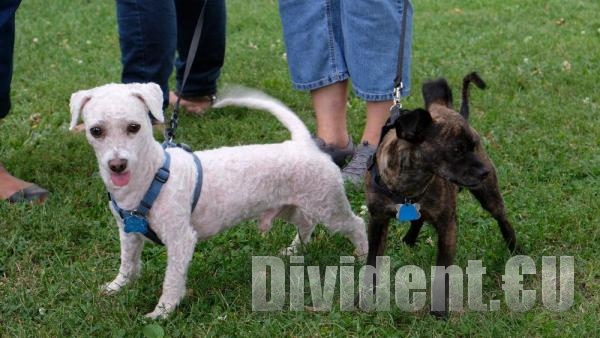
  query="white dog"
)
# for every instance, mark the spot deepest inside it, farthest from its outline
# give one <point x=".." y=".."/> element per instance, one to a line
<point x="292" y="180"/>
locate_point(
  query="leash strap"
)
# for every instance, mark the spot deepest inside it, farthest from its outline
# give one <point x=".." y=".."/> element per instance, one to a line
<point x="398" y="85"/>
<point x="170" y="132"/>
<point x="396" y="111"/>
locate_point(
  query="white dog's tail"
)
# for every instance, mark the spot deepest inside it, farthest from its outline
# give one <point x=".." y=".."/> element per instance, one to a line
<point x="251" y="98"/>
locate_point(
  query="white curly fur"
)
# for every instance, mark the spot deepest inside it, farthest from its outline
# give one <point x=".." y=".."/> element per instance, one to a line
<point x="292" y="180"/>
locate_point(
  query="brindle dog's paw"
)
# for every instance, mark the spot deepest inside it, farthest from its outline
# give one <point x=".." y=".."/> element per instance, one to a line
<point x="410" y="241"/>
<point x="516" y="249"/>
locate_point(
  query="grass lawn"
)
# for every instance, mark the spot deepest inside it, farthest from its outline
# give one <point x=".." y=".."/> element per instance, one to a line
<point x="539" y="121"/>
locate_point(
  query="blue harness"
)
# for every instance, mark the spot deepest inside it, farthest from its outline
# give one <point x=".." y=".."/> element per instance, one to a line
<point x="136" y="220"/>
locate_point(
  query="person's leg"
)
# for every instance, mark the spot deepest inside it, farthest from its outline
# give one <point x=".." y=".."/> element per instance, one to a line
<point x="312" y="35"/>
<point x="372" y="32"/>
<point x="377" y="113"/>
<point x="378" y="105"/>
<point x="147" y="34"/>
<point x="329" y="103"/>
<point x="201" y="83"/>
<point x="372" y="39"/>
<point x="11" y="188"/>
<point x="7" y="41"/>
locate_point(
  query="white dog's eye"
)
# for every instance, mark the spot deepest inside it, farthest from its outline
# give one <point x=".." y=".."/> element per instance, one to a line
<point x="96" y="132"/>
<point x="133" y="128"/>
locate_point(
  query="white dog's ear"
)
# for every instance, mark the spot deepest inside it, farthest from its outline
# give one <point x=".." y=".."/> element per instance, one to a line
<point x="152" y="96"/>
<point x="78" y="101"/>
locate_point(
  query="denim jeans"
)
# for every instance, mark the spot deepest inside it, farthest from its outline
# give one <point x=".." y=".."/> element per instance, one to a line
<point x="329" y="41"/>
<point x="7" y="44"/>
<point x="151" y="31"/>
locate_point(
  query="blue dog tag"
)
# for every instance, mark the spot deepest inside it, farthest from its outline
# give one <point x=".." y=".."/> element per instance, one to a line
<point x="408" y="212"/>
<point x="134" y="223"/>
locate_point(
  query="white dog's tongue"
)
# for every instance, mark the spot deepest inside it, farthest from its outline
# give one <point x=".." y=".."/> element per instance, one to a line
<point x="120" y="179"/>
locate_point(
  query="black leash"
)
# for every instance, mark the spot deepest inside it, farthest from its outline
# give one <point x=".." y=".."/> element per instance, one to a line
<point x="398" y="85"/>
<point x="170" y="132"/>
<point x="396" y="112"/>
<point x="136" y="221"/>
<point x="396" y="109"/>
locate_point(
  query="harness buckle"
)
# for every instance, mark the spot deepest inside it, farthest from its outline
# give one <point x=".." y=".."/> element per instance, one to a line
<point x="162" y="175"/>
<point x="135" y="213"/>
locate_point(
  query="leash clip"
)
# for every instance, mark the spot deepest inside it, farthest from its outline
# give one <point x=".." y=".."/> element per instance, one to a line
<point x="398" y="95"/>
<point x="173" y="124"/>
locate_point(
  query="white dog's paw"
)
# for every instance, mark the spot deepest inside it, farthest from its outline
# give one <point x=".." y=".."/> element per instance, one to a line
<point x="117" y="284"/>
<point x="361" y="255"/>
<point x="289" y="251"/>
<point x="110" y="288"/>
<point x="161" y="311"/>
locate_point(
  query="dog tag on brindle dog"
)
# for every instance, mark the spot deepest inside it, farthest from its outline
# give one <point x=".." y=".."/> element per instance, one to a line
<point x="408" y="212"/>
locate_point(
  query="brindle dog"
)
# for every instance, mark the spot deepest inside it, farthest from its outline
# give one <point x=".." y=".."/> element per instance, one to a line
<point x="423" y="158"/>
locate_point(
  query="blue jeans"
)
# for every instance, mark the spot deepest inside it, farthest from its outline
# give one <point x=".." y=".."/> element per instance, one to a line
<point x="7" y="44"/>
<point x="150" y="31"/>
<point x="328" y="41"/>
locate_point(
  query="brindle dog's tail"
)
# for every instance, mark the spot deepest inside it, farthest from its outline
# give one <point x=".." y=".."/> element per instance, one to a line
<point x="471" y="77"/>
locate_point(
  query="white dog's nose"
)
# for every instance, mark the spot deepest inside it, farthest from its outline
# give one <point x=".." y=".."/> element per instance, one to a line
<point x="117" y="165"/>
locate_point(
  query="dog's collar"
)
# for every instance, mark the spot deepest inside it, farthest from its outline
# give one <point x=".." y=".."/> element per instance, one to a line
<point x="136" y="220"/>
<point x="382" y="188"/>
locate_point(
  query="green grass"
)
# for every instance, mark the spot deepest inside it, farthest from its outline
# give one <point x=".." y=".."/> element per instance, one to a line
<point x="539" y="121"/>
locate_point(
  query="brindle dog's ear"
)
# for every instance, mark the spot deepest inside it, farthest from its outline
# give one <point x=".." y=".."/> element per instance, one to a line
<point x="410" y="125"/>
<point x="437" y="91"/>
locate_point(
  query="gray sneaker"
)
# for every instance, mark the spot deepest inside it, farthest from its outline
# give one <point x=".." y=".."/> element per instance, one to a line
<point x="339" y="155"/>
<point x="354" y="171"/>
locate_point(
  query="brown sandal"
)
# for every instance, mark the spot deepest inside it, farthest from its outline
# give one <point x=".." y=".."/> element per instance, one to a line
<point x="193" y="105"/>
<point x="31" y="194"/>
